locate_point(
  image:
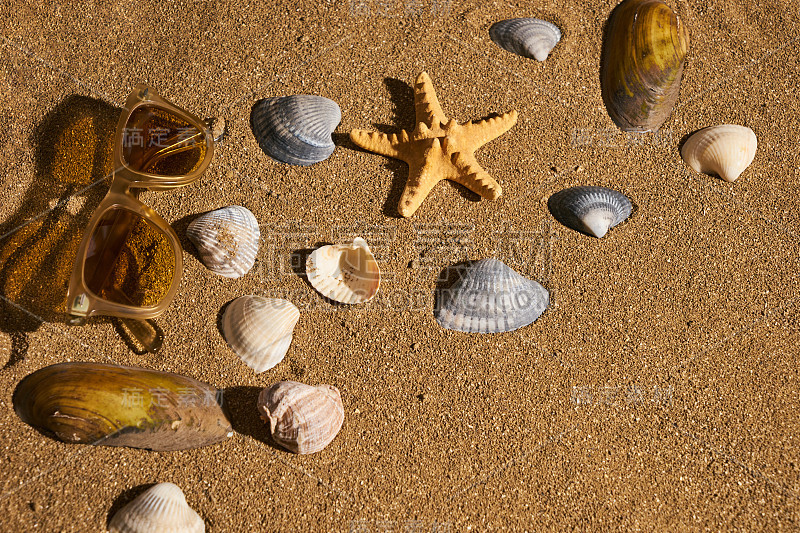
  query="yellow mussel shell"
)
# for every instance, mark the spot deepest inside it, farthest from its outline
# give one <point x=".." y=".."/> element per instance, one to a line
<point x="112" y="405"/>
<point x="642" y="63"/>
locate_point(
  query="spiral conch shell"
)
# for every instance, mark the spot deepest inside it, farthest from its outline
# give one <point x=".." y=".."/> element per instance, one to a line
<point x="346" y="273"/>
<point x="725" y="150"/>
<point x="227" y="240"/>
<point x="642" y="64"/>
<point x="302" y="418"/>
<point x="160" y="509"/>
<point x="259" y="329"/>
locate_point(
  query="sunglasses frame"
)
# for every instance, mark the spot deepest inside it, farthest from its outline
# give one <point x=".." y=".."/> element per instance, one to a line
<point x="81" y="301"/>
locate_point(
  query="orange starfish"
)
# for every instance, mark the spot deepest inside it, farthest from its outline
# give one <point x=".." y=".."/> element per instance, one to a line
<point x="437" y="149"/>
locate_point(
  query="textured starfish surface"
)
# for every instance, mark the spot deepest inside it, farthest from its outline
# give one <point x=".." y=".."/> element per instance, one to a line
<point x="438" y="148"/>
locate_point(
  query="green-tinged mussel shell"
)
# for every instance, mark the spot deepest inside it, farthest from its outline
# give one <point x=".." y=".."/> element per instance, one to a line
<point x="643" y="54"/>
<point x="111" y="405"/>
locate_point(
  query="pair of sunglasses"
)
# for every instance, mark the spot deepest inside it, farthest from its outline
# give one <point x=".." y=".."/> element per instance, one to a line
<point x="129" y="262"/>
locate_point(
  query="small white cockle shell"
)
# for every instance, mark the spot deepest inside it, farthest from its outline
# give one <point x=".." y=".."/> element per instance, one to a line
<point x="528" y="37"/>
<point x="725" y="150"/>
<point x="259" y="329"/>
<point x="346" y="273"/>
<point x="227" y="240"/>
<point x="160" y="509"/>
<point x="302" y="418"/>
<point x="590" y="209"/>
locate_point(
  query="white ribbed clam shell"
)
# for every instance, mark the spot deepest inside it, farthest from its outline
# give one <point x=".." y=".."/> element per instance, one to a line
<point x="490" y="297"/>
<point x="302" y="418"/>
<point x="227" y="240"/>
<point x="259" y="329"/>
<point x="160" y="509"/>
<point x="528" y="37"/>
<point x="346" y="273"/>
<point x="590" y="209"/>
<point x="725" y="150"/>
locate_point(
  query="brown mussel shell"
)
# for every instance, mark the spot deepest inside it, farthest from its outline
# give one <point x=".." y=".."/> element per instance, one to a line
<point x="112" y="405"/>
<point x="644" y="51"/>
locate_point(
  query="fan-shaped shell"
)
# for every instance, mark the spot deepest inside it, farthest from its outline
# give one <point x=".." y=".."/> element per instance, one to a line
<point x="296" y="129"/>
<point x="302" y="418"/>
<point x="111" y="405"/>
<point x="725" y="150"/>
<point x="642" y="63"/>
<point x="259" y="329"/>
<point x="528" y="37"/>
<point x="346" y="273"/>
<point x="160" y="509"/>
<point x="490" y="297"/>
<point x="227" y="240"/>
<point x="590" y="210"/>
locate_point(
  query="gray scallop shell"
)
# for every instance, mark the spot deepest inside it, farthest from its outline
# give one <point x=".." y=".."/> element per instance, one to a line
<point x="296" y="129"/>
<point x="528" y="37"/>
<point x="589" y="209"/>
<point x="490" y="297"/>
<point x="227" y="240"/>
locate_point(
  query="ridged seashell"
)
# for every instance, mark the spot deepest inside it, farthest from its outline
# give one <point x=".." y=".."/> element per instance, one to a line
<point x="110" y="405"/>
<point x="259" y="329"/>
<point x="296" y="129"/>
<point x="725" y="150"/>
<point x="490" y="297"/>
<point x="346" y="273"/>
<point x="227" y="240"/>
<point x="590" y="210"/>
<point x="642" y="64"/>
<point x="160" y="509"/>
<point x="528" y="37"/>
<point x="302" y="418"/>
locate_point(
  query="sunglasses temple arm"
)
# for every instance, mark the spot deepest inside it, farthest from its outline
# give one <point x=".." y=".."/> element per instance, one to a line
<point x="146" y="333"/>
<point x="172" y="148"/>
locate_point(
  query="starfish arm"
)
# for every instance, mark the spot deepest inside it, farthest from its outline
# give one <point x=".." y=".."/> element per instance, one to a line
<point x="380" y="143"/>
<point x="480" y="133"/>
<point x="473" y="177"/>
<point x="426" y="105"/>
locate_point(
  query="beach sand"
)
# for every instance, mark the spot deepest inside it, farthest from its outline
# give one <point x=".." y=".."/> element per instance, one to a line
<point x="658" y="392"/>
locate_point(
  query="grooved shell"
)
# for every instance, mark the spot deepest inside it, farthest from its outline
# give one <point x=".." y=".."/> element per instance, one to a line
<point x="259" y="329"/>
<point x="725" y="150"/>
<point x="490" y="297"/>
<point x="642" y="64"/>
<point x="160" y="509"/>
<point x="302" y="418"/>
<point x="528" y="37"/>
<point x="296" y="129"/>
<point x="590" y="210"/>
<point x="110" y="405"/>
<point x="346" y="273"/>
<point x="227" y="240"/>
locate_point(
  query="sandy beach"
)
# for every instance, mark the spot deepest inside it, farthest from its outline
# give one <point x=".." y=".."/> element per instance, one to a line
<point x="658" y="392"/>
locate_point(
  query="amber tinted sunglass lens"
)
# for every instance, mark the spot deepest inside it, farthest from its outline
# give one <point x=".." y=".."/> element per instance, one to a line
<point x="128" y="260"/>
<point x="159" y="142"/>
